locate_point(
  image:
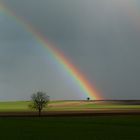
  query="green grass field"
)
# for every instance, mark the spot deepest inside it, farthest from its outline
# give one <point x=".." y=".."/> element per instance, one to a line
<point x="70" y="128"/>
<point x="66" y="105"/>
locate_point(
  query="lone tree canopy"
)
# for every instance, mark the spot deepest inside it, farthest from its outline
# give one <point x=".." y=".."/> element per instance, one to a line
<point x="39" y="101"/>
<point x="88" y="98"/>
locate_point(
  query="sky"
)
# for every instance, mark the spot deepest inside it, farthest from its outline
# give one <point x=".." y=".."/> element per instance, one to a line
<point x="101" y="38"/>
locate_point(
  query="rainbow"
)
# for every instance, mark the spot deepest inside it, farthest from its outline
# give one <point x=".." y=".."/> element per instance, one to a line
<point x="58" y="55"/>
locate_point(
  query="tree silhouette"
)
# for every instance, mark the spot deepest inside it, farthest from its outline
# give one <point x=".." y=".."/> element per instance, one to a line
<point x="38" y="101"/>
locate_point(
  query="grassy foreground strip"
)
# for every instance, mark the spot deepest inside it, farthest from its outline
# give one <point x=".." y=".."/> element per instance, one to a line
<point x="71" y="128"/>
<point x="65" y="105"/>
<point x="14" y="106"/>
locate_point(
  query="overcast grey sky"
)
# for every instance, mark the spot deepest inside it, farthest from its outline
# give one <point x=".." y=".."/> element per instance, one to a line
<point x="99" y="36"/>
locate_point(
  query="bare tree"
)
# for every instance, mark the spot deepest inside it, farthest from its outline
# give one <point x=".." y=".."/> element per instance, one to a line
<point x="39" y="101"/>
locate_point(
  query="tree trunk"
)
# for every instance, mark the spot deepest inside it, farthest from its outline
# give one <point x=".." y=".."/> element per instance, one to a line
<point x="39" y="112"/>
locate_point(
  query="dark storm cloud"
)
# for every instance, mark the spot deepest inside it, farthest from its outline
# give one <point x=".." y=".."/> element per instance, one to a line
<point x="100" y="38"/>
